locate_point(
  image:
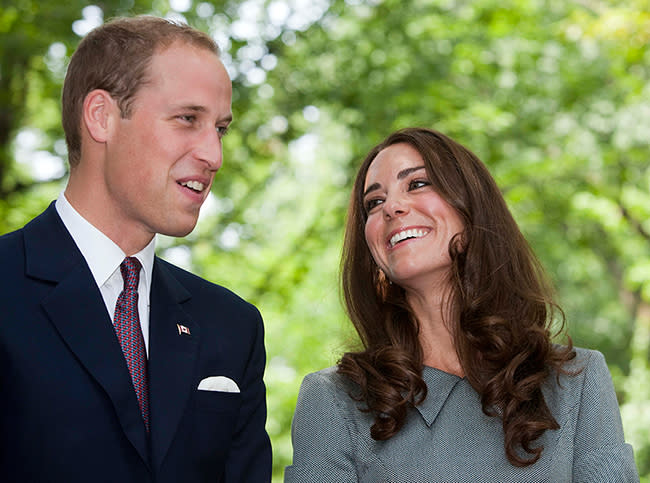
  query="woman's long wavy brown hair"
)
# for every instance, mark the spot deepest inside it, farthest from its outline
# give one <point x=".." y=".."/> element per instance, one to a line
<point x="502" y="307"/>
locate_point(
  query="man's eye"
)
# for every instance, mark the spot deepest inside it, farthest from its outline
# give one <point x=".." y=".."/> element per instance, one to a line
<point x="189" y="118"/>
<point x="222" y="131"/>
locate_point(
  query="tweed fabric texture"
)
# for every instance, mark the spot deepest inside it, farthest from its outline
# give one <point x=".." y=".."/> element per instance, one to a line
<point x="127" y="327"/>
<point x="448" y="438"/>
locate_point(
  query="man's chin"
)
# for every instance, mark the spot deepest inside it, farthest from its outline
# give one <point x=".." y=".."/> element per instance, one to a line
<point x="178" y="231"/>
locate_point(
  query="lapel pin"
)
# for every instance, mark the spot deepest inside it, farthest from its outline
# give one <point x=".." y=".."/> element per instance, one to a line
<point x="183" y="330"/>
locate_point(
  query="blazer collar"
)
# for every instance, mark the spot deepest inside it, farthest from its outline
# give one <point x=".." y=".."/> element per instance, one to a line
<point x="173" y="352"/>
<point x="50" y="250"/>
<point x="52" y="255"/>
<point x="76" y="309"/>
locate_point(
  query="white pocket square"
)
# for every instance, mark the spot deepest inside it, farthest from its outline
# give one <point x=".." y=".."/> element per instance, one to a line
<point x="218" y="383"/>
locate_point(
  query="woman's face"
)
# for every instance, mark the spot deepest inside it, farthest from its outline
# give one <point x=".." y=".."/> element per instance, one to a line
<point x="409" y="226"/>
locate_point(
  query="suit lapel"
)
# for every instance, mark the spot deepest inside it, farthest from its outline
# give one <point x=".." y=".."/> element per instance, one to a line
<point x="76" y="308"/>
<point x="172" y="358"/>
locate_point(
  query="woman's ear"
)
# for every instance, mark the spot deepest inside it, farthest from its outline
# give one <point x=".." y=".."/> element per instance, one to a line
<point x="98" y="107"/>
<point x="459" y="241"/>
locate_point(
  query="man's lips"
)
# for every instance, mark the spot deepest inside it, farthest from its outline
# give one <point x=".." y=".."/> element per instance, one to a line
<point x="198" y="185"/>
<point x="405" y="234"/>
<point x="195" y="185"/>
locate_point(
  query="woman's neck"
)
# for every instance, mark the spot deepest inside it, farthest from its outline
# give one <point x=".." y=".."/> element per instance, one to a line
<point x="433" y="313"/>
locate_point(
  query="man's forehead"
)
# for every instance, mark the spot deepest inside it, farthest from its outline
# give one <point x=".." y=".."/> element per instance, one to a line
<point x="181" y="45"/>
<point x="187" y="63"/>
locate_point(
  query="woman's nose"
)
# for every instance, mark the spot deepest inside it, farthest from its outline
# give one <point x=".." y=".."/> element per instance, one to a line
<point x="394" y="206"/>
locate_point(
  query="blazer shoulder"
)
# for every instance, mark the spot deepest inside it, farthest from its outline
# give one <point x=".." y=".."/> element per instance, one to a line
<point x="585" y="379"/>
<point x="587" y="363"/>
<point x="10" y="242"/>
<point x="329" y="442"/>
<point x="44" y="241"/>
<point x="204" y="289"/>
<point x="324" y="401"/>
<point x="600" y="450"/>
<point x="12" y="257"/>
<point x="329" y="384"/>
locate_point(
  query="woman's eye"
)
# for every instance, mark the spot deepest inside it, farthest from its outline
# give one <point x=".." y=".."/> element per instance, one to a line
<point x="371" y="204"/>
<point x="418" y="183"/>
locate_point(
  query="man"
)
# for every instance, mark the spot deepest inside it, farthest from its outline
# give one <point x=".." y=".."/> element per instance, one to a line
<point x="116" y="365"/>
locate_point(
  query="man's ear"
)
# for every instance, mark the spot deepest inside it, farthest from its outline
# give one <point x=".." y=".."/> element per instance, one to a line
<point x="98" y="108"/>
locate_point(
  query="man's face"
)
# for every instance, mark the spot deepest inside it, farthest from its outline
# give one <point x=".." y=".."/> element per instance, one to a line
<point x="160" y="162"/>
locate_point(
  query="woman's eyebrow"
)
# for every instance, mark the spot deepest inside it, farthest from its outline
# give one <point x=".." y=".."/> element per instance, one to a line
<point x="401" y="175"/>
<point x="372" y="187"/>
<point x="405" y="172"/>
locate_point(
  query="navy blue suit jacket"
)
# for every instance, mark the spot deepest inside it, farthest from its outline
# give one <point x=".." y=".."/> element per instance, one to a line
<point x="68" y="411"/>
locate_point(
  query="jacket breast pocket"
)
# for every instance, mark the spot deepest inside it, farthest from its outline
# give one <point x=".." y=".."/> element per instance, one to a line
<point x="209" y="426"/>
<point x="217" y="401"/>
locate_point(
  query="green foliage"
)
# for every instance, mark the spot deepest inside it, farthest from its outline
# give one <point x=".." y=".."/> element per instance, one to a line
<point x="553" y="95"/>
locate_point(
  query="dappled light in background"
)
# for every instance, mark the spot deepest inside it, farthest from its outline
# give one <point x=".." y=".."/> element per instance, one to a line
<point x="92" y="16"/>
<point x="554" y="96"/>
<point x="42" y="164"/>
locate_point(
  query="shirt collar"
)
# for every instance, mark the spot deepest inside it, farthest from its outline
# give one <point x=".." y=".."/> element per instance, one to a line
<point x="102" y="255"/>
<point x="439" y="386"/>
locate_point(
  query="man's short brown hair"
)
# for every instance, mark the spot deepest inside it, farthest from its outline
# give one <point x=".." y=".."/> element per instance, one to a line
<point x="116" y="57"/>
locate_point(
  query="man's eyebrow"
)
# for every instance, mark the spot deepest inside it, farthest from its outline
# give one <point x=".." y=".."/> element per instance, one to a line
<point x="227" y="119"/>
<point x="201" y="109"/>
<point x="190" y="107"/>
<point x="401" y="175"/>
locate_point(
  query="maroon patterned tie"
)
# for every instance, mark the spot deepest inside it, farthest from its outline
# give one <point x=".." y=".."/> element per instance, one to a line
<point x="129" y="333"/>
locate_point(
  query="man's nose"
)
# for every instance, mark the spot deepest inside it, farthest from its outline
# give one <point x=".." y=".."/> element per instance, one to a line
<point x="209" y="149"/>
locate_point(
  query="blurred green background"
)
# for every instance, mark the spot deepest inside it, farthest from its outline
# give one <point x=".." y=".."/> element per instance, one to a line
<point x="554" y="95"/>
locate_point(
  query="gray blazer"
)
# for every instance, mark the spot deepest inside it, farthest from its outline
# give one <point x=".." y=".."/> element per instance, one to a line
<point x="448" y="438"/>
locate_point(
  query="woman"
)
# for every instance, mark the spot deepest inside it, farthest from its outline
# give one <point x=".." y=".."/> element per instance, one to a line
<point x="458" y="379"/>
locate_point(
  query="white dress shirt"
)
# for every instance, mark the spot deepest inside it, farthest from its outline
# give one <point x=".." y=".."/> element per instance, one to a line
<point x="104" y="257"/>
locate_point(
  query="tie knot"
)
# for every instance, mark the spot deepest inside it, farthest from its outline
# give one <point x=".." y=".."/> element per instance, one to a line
<point x="130" y="269"/>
